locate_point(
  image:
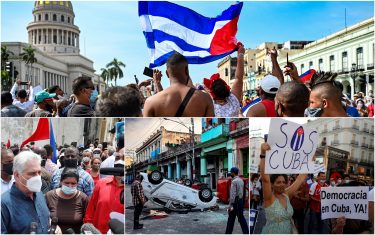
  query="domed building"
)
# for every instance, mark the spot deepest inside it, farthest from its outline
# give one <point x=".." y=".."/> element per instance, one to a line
<point x="55" y="37"/>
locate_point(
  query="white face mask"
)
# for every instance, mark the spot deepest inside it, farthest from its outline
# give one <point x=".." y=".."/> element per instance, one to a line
<point x="339" y="181"/>
<point x="34" y="184"/>
<point x="68" y="190"/>
<point x="322" y="181"/>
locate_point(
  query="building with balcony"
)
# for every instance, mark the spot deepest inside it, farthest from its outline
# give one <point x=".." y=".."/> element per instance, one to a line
<point x="224" y="144"/>
<point x="346" y="145"/>
<point x="164" y="151"/>
<point x="349" y="49"/>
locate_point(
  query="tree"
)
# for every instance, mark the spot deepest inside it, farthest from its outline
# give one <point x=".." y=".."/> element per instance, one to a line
<point x="105" y="75"/>
<point x="6" y="78"/>
<point x="114" y="68"/>
<point x="28" y="56"/>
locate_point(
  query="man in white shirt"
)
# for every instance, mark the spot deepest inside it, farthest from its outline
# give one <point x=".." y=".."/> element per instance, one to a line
<point x="110" y="161"/>
<point x="7" y="178"/>
<point x="21" y="100"/>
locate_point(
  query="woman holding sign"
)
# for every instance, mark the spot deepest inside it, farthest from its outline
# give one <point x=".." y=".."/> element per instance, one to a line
<point x="276" y="194"/>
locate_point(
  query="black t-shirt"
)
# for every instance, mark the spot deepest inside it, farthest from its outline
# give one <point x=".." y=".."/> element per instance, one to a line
<point x="80" y="110"/>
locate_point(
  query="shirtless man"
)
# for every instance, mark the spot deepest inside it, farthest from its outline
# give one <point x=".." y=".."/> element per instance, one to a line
<point x="167" y="103"/>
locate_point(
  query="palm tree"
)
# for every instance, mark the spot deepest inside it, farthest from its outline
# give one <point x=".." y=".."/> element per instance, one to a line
<point x="28" y="56"/>
<point x="5" y="53"/>
<point x="115" y="71"/>
<point x="105" y="75"/>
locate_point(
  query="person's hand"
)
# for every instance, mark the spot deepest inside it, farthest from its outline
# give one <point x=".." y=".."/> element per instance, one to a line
<point x="241" y="48"/>
<point x="18" y="82"/>
<point x="157" y="76"/>
<point x="230" y="209"/>
<point x="29" y="83"/>
<point x="291" y="70"/>
<point x="263" y="148"/>
<point x="145" y="83"/>
<point x="341" y="221"/>
<point x="272" y="53"/>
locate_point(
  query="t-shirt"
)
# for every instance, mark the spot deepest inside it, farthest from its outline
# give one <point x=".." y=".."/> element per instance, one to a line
<point x="39" y="113"/>
<point x="230" y="109"/>
<point x="352" y="112"/>
<point x="80" y="110"/>
<point x="12" y="111"/>
<point x="70" y="212"/>
<point x="315" y="193"/>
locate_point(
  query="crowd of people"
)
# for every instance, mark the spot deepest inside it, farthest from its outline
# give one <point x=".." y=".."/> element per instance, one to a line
<point x="320" y="96"/>
<point x="66" y="194"/>
<point x="291" y="204"/>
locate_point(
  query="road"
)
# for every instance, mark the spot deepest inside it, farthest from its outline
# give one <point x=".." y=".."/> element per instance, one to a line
<point x="206" y="222"/>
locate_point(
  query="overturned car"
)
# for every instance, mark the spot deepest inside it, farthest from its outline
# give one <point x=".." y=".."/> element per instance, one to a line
<point x="174" y="196"/>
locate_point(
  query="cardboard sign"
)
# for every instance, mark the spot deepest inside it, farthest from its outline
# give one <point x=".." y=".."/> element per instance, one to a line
<point x="253" y="168"/>
<point x="292" y="148"/>
<point x="351" y="202"/>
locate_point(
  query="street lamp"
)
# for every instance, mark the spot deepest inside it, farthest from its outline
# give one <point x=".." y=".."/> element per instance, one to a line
<point x="191" y="132"/>
<point x="353" y="75"/>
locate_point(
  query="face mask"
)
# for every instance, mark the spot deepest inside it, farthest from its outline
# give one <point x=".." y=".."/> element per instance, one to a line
<point x="333" y="183"/>
<point x="339" y="181"/>
<point x="255" y="181"/>
<point x="68" y="190"/>
<point x="49" y="108"/>
<point x="97" y="155"/>
<point x="95" y="167"/>
<point x="314" y="112"/>
<point x="70" y="163"/>
<point x="34" y="184"/>
<point x="93" y="96"/>
<point x="347" y="181"/>
<point x="360" y="105"/>
<point x="322" y="181"/>
<point x="8" y="168"/>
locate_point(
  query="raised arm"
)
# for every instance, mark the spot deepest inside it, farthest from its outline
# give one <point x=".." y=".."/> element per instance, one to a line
<point x="291" y="70"/>
<point x="31" y="93"/>
<point x="266" y="182"/>
<point x="14" y="88"/>
<point x="237" y="86"/>
<point x="292" y="189"/>
<point x="157" y="80"/>
<point x="276" y="70"/>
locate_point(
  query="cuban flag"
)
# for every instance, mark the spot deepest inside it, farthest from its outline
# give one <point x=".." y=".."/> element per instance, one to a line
<point x="253" y="219"/>
<point x="297" y="139"/>
<point x="170" y="28"/>
<point x="305" y="77"/>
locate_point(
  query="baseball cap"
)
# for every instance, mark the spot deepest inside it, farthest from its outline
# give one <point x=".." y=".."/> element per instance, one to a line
<point x="234" y="170"/>
<point x="270" y="84"/>
<point x="42" y="95"/>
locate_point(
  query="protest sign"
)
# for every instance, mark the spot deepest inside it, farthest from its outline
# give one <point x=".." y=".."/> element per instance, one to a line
<point x="350" y="202"/>
<point x="319" y="168"/>
<point x="292" y="148"/>
<point x="37" y="89"/>
<point x="253" y="168"/>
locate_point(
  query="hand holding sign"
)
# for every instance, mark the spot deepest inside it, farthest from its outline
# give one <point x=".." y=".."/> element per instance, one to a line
<point x="292" y="148"/>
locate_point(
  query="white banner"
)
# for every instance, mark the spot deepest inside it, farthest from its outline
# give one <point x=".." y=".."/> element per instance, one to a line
<point x="292" y="148"/>
<point x="350" y="202"/>
<point x="253" y="168"/>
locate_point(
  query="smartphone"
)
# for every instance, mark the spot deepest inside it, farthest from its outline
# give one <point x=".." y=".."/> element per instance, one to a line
<point x="24" y="83"/>
<point x="265" y="137"/>
<point x="148" y="72"/>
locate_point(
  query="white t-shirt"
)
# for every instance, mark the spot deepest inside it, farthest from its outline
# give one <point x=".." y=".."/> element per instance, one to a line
<point x="6" y="185"/>
<point x="230" y="109"/>
<point x="109" y="162"/>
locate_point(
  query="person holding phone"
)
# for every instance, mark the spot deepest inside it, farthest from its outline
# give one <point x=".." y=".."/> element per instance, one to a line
<point x="22" y="100"/>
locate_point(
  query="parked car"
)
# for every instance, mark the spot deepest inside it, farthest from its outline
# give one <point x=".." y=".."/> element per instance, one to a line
<point x="174" y="196"/>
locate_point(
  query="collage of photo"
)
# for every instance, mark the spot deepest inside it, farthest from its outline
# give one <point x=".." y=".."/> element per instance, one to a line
<point x="187" y="117"/>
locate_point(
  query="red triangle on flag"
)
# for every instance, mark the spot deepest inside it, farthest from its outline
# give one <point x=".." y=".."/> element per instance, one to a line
<point x="41" y="132"/>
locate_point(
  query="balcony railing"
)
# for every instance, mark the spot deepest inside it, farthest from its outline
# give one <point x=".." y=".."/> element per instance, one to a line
<point x="364" y="145"/>
<point x="336" y="127"/>
<point x="221" y="130"/>
<point x="355" y="127"/>
<point x="370" y="66"/>
<point x="335" y="142"/>
<point x="354" y="143"/>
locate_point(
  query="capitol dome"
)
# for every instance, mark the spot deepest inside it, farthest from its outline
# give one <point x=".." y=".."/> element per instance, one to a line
<point x="53" y="30"/>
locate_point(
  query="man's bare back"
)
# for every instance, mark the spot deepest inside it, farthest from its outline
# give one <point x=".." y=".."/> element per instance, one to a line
<point x="167" y="102"/>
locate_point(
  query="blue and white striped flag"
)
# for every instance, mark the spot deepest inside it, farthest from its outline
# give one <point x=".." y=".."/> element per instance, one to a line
<point x="170" y="28"/>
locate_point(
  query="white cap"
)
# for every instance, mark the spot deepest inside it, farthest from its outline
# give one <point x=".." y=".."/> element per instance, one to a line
<point x="270" y="84"/>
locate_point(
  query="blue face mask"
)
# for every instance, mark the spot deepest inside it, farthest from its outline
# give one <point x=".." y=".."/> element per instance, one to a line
<point x="68" y="190"/>
<point x="314" y="112"/>
<point x="94" y="95"/>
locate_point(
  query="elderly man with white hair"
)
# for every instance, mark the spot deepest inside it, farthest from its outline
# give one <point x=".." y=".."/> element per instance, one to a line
<point x="24" y="203"/>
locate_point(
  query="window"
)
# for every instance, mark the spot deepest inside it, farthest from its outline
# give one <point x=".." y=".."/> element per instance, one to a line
<point x="360" y="58"/>
<point x="46" y="17"/>
<point x="226" y="72"/>
<point x="62" y="19"/>
<point x="345" y="61"/>
<point x="54" y="17"/>
<point x="332" y="63"/>
<point x="310" y="65"/>
<point x="39" y="17"/>
<point x="321" y="68"/>
<point x="68" y="19"/>
<point x="302" y="68"/>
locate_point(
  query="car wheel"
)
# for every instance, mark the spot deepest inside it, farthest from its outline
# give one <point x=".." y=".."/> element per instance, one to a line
<point x="205" y="195"/>
<point x="188" y="182"/>
<point x="155" y="177"/>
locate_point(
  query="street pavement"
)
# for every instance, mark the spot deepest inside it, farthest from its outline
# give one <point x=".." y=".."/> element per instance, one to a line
<point x="206" y="222"/>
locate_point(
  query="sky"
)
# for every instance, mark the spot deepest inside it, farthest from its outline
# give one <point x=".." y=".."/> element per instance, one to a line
<point x="112" y="29"/>
<point x="138" y="130"/>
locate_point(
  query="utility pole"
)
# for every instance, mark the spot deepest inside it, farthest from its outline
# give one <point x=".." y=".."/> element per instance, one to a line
<point x="192" y="137"/>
